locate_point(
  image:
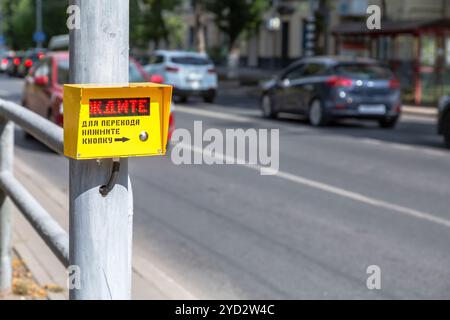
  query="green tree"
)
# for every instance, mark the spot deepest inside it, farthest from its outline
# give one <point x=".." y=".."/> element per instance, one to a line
<point x="55" y="17"/>
<point x="19" y="20"/>
<point x="18" y="23"/>
<point x="322" y="16"/>
<point x="200" y="41"/>
<point x="154" y="20"/>
<point x="234" y="17"/>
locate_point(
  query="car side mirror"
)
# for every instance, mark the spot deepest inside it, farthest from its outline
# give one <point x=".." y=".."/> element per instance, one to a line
<point x="41" y="81"/>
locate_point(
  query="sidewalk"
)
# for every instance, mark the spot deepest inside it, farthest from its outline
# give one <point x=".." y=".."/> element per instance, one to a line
<point x="24" y="286"/>
<point x="149" y="283"/>
<point x="420" y="111"/>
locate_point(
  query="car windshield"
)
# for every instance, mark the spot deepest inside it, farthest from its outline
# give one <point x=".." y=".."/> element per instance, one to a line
<point x="191" y="60"/>
<point x="135" y="74"/>
<point x="364" y="71"/>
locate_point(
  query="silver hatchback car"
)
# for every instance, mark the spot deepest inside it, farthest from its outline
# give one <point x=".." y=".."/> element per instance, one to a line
<point x="190" y="73"/>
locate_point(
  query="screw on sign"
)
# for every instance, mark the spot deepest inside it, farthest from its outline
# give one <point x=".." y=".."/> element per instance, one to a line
<point x="143" y="136"/>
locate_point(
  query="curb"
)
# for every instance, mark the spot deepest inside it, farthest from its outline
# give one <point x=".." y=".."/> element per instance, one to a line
<point x="429" y="112"/>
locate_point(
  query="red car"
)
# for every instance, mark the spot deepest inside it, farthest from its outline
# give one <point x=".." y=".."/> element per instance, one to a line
<point x="43" y="91"/>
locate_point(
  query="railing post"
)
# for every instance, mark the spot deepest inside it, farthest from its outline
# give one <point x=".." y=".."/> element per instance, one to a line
<point x="6" y="164"/>
<point x="100" y="227"/>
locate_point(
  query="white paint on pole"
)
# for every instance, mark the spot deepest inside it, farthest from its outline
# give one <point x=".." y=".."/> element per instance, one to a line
<point x="100" y="227"/>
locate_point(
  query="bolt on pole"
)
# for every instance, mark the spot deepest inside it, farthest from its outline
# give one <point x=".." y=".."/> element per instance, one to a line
<point x="100" y="227"/>
<point x="6" y="165"/>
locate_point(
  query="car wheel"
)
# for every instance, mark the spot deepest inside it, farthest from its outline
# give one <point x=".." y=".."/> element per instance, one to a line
<point x="209" y="98"/>
<point x="183" y="99"/>
<point x="316" y="114"/>
<point x="267" y="107"/>
<point x="388" y="123"/>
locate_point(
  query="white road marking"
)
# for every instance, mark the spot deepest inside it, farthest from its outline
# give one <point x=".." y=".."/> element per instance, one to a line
<point x="214" y="114"/>
<point x="372" y="141"/>
<point x="405" y="147"/>
<point x="329" y="188"/>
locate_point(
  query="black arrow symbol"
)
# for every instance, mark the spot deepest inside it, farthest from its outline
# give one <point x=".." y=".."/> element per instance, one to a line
<point x="121" y="139"/>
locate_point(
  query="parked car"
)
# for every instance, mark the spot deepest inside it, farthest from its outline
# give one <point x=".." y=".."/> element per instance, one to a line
<point x="329" y="88"/>
<point x="4" y="64"/>
<point x="444" y="119"/>
<point x="13" y="65"/>
<point x="190" y="74"/>
<point x="43" y="90"/>
<point x="5" y="59"/>
<point x="31" y="57"/>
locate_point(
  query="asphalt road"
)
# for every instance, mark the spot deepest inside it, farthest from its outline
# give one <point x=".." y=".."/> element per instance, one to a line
<point x="346" y="197"/>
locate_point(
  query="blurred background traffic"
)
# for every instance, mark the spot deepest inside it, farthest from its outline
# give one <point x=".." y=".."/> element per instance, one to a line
<point x="364" y="119"/>
<point x="193" y="44"/>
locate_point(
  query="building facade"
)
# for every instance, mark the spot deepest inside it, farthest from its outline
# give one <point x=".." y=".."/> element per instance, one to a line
<point x="414" y="38"/>
<point x="267" y="47"/>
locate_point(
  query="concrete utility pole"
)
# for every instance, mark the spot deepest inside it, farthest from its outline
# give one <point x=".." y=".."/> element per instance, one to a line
<point x="100" y="227"/>
<point x="39" y="18"/>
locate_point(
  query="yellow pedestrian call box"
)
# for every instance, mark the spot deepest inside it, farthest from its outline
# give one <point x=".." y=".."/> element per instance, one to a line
<point x="116" y="121"/>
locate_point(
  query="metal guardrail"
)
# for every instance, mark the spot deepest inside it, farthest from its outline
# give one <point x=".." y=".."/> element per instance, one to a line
<point x="45" y="131"/>
<point x="12" y="190"/>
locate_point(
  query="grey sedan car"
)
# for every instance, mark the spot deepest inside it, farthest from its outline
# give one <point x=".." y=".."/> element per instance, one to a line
<point x="329" y="88"/>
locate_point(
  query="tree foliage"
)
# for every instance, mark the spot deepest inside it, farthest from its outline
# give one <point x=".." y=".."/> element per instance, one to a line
<point x="154" y="20"/>
<point x="19" y="20"/>
<point x="233" y="17"/>
<point x="150" y="20"/>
